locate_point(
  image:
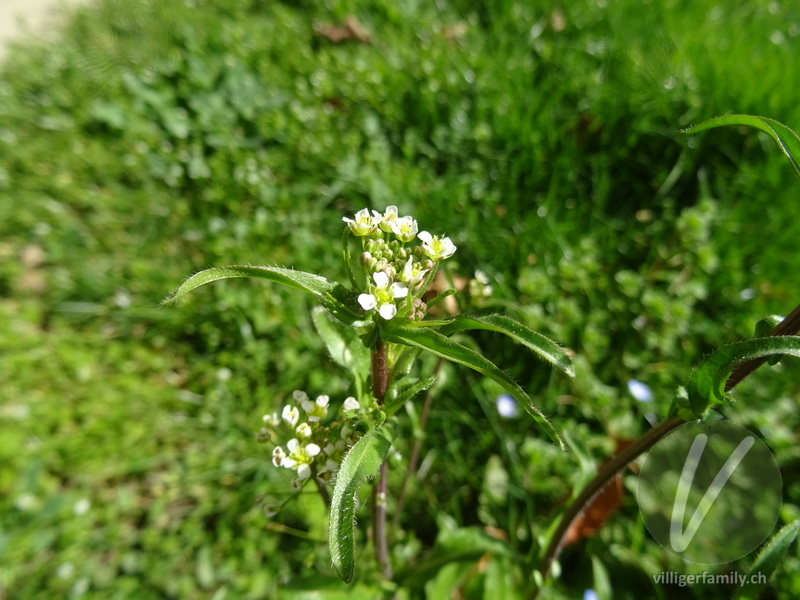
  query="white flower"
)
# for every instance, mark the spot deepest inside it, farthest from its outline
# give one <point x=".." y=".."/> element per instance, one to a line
<point x="277" y="456"/>
<point x="316" y="410"/>
<point x="405" y="229"/>
<point x="413" y="273"/>
<point x="386" y="220"/>
<point x="299" y="396"/>
<point x="351" y="404"/>
<point x="437" y="249"/>
<point x="383" y="295"/>
<point x="290" y="414"/>
<point x="300" y="457"/>
<point x="274" y="420"/>
<point x="363" y="224"/>
<point x="303" y="430"/>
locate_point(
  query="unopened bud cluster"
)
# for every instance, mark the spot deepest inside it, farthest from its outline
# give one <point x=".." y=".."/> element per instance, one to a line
<point x="311" y="447"/>
<point x="397" y="273"/>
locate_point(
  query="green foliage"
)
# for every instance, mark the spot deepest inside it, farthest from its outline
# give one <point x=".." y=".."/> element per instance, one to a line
<point x="440" y="345"/>
<point x="768" y="561"/>
<point x="362" y="462"/>
<point x="707" y="384"/>
<point x="787" y="139"/>
<point x="153" y="140"/>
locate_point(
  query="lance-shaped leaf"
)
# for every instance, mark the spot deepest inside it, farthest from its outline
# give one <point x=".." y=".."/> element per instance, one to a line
<point x="787" y="139"/>
<point x="539" y="344"/>
<point x="436" y="343"/>
<point x="362" y="462"/>
<point x="344" y="345"/>
<point x="707" y="384"/>
<point x="769" y="559"/>
<point x="326" y="292"/>
<point x="405" y="394"/>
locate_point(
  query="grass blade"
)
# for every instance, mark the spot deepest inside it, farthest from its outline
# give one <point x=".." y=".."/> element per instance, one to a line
<point x="787" y="139"/>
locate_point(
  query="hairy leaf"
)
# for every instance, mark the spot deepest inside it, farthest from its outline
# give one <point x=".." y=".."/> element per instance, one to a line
<point x="787" y="139"/>
<point x="344" y="345"/>
<point x="707" y="384"/>
<point x="438" y="344"/>
<point x="407" y="393"/>
<point x="539" y="344"/>
<point x="769" y="559"/>
<point x="325" y="291"/>
<point x="363" y="461"/>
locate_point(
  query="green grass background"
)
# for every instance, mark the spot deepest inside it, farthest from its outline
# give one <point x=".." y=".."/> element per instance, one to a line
<point x="153" y="139"/>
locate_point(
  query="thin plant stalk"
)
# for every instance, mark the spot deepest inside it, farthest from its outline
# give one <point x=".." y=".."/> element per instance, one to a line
<point x="380" y="381"/>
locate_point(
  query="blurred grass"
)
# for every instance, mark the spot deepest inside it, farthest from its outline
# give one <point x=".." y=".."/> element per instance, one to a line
<point x="156" y="139"/>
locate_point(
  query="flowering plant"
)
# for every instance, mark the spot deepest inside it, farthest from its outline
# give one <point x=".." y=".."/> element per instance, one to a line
<point x="375" y="328"/>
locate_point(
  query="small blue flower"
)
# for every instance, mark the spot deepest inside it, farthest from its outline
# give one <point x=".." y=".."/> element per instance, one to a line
<point x="640" y="391"/>
<point x="506" y="406"/>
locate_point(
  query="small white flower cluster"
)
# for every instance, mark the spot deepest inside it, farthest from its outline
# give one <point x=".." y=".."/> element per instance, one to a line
<point x="314" y="448"/>
<point x="396" y="272"/>
<point x="479" y="286"/>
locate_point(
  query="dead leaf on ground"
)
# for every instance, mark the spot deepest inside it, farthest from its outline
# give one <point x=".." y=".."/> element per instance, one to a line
<point x="600" y="509"/>
<point x="349" y="31"/>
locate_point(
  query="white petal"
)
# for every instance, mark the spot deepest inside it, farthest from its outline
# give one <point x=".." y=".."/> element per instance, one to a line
<point x="292" y="445"/>
<point x="381" y="279"/>
<point x="288" y="463"/>
<point x="387" y="311"/>
<point x="425" y="236"/>
<point x="351" y="404"/>
<point x="312" y="449"/>
<point x="303" y="472"/>
<point x="367" y="301"/>
<point x="322" y="401"/>
<point x="399" y="290"/>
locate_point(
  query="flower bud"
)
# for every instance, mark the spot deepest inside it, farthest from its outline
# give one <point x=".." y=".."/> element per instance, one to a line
<point x="367" y="261"/>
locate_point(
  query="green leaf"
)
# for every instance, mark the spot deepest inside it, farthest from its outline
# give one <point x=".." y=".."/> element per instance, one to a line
<point x="404" y="362"/>
<point x="769" y="559"/>
<point x="539" y="344"/>
<point x="362" y="462"/>
<point x="344" y="345"/>
<point x="707" y="384"/>
<point x="438" y="344"/>
<point x="787" y="139"/>
<point x="326" y="292"/>
<point x="406" y="394"/>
